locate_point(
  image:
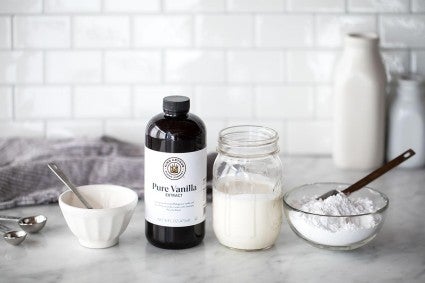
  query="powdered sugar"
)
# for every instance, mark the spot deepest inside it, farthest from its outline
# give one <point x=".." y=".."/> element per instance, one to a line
<point x="339" y="205"/>
<point x="326" y="225"/>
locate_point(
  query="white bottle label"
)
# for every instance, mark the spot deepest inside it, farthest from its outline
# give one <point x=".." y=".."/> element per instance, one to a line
<point x="175" y="187"/>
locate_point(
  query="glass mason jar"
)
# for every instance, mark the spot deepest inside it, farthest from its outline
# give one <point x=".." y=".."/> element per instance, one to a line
<point x="247" y="188"/>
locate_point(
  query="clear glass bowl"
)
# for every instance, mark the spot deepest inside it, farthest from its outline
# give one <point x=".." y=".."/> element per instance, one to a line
<point x="345" y="232"/>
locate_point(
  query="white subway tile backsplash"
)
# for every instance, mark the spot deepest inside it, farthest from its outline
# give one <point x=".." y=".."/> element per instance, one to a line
<point x="192" y="66"/>
<point x="74" y="128"/>
<point x="127" y="130"/>
<point x="330" y="29"/>
<point x="255" y="66"/>
<point x="101" y="31"/>
<point x="375" y="6"/>
<point x="102" y="102"/>
<point x="255" y="5"/>
<point x="195" y="5"/>
<point x="418" y="62"/>
<point x="148" y="99"/>
<point x="284" y="31"/>
<point x="21" y="67"/>
<point x="41" y="32"/>
<point x="224" y="101"/>
<point x="41" y="102"/>
<point x="132" y="6"/>
<point x="132" y="66"/>
<point x="224" y="30"/>
<point x="90" y="67"/>
<point x="21" y="129"/>
<point x="315" y="5"/>
<point x="310" y="66"/>
<point x="6" y="103"/>
<point x="74" y="6"/>
<point x="282" y="102"/>
<point x="73" y="66"/>
<point x="5" y="32"/>
<point x="324" y="102"/>
<point x="309" y="137"/>
<point x="418" y="6"/>
<point x="396" y="62"/>
<point x="21" y="6"/>
<point x="403" y="31"/>
<point x="157" y="31"/>
<point x="214" y="126"/>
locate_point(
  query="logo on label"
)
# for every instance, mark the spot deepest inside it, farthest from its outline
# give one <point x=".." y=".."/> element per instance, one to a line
<point x="174" y="168"/>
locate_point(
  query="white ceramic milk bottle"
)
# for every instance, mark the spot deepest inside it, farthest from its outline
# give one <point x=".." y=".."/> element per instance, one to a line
<point x="359" y="110"/>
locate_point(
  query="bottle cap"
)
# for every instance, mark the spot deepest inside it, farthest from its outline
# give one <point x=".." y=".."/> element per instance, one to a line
<point x="176" y="104"/>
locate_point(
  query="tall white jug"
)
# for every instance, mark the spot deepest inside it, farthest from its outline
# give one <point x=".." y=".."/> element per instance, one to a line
<point x="359" y="110"/>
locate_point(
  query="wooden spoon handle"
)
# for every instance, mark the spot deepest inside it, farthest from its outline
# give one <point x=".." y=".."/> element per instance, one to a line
<point x="379" y="172"/>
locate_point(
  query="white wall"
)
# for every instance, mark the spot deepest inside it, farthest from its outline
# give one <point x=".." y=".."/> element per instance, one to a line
<point x="87" y="67"/>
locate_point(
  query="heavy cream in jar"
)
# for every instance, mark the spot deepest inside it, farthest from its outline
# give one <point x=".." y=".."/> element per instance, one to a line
<point x="247" y="213"/>
<point x="247" y="188"/>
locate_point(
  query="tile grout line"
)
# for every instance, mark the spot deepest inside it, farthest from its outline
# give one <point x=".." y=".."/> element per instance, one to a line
<point x="194" y="20"/>
<point x="44" y="68"/>
<point x="162" y="57"/>
<point x="132" y="32"/>
<point x="132" y="102"/>
<point x="71" y="32"/>
<point x="102" y="68"/>
<point x="44" y="121"/>
<point x="102" y="7"/>
<point x="254" y="90"/>
<point x="13" y="102"/>
<point x="72" y="102"/>
<point x="12" y="31"/>
<point x="254" y="31"/>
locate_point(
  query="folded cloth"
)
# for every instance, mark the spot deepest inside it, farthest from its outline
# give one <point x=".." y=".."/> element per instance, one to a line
<point x="25" y="178"/>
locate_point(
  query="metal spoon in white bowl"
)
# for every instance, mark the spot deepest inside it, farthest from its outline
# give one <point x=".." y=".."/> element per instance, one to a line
<point x="31" y="224"/>
<point x="59" y="173"/>
<point x="12" y="237"/>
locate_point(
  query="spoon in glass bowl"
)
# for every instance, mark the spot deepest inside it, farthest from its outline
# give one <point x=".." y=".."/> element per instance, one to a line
<point x="12" y="237"/>
<point x="31" y="224"/>
<point x="372" y="176"/>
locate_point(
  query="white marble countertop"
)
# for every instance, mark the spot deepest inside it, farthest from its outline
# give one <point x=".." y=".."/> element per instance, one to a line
<point x="397" y="254"/>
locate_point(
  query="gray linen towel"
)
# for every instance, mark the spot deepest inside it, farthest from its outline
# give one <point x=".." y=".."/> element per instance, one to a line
<point x="25" y="178"/>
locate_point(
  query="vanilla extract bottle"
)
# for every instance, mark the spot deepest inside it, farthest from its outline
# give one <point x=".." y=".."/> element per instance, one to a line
<point x="175" y="176"/>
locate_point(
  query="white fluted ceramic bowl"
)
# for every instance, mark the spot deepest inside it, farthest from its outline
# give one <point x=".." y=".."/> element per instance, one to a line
<point x="99" y="227"/>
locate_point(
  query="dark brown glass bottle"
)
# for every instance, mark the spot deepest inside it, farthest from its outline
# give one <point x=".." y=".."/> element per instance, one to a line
<point x="175" y="176"/>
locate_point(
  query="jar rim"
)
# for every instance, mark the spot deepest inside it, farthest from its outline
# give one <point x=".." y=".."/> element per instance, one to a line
<point x="247" y="136"/>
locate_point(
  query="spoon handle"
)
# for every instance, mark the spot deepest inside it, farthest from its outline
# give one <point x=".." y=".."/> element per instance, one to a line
<point x="9" y="218"/>
<point x="58" y="172"/>
<point x="379" y="172"/>
<point x="4" y="228"/>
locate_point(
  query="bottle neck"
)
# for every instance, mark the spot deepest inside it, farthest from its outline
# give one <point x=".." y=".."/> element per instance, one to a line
<point x="361" y="43"/>
<point x="410" y="87"/>
<point x="172" y="114"/>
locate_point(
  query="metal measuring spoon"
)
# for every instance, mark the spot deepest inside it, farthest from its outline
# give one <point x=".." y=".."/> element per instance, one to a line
<point x="31" y="224"/>
<point x="12" y="237"/>
<point x="59" y="173"/>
